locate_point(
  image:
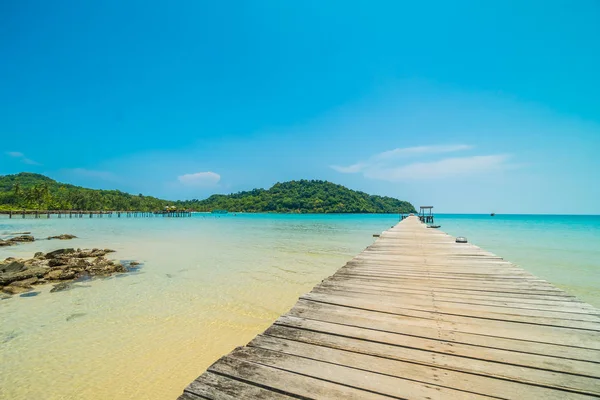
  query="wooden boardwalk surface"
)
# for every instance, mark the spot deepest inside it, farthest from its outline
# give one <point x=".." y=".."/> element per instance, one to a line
<point x="418" y="316"/>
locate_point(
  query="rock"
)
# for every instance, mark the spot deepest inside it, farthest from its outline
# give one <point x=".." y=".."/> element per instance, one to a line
<point x="59" y="252"/>
<point x="26" y="282"/>
<point x="21" y="233"/>
<point x="61" y="287"/>
<point x="10" y="277"/>
<point x="55" y="262"/>
<point x="109" y="251"/>
<point x="118" y="267"/>
<point x="6" y="243"/>
<point x="53" y="275"/>
<point x="34" y="262"/>
<point x="100" y="260"/>
<point x="67" y="275"/>
<point x="22" y="238"/>
<point x="18" y="275"/>
<point x="13" y="266"/>
<point x="83" y="276"/>
<point x="64" y="236"/>
<point x="79" y="263"/>
<point x="90" y="253"/>
<point x="13" y="289"/>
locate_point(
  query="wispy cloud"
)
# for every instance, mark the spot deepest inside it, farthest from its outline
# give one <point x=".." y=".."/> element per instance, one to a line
<point x="391" y="165"/>
<point x="445" y="168"/>
<point x="21" y="157"/>
<point x="207" y="178"/>
<point x="350" y="169"/>
<point x="421" y="150"/>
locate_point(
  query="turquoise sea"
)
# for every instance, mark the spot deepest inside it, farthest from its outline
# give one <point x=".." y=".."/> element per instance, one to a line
<point x="212" y="282"/>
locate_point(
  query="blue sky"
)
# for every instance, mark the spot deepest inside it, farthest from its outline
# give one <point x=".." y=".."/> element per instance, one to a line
<point x="470" y="106"/>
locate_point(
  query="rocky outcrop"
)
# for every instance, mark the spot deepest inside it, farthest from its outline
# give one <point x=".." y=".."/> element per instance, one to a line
<point x="22" y="238"/>
<point x="16" y="239"/>
<point x="64" y="236"/>
<point x="60" y="266"/>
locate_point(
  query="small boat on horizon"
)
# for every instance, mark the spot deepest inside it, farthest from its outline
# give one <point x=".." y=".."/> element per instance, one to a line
<point x="493" y="214"/>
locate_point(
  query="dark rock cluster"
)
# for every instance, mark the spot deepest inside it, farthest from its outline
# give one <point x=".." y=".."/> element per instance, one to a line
<point x="16" y="239"/>
<point x="59" y="266"/>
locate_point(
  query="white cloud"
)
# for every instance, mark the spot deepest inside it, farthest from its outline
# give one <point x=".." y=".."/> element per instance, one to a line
<point x="388" y="156"/>
<point x="420" y="150"/>
<point x="388" y="165"/>
<point x="351" y="169"/>
<point x="207" y="178"/>
<point x="445" y="168"/>
<point x="21" y="157"/>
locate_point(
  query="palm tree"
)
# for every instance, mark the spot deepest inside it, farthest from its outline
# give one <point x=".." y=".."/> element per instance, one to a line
<point x="17" y="192"/>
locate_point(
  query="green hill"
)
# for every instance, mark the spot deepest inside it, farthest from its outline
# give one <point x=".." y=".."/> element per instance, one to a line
<point x="304" y="197"/>
<point x="34" y="191"/>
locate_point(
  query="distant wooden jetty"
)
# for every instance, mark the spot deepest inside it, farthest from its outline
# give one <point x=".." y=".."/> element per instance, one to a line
<point x="419" y="316"/>
<point x="97" y="214"/>
<point x="426" y="214"/>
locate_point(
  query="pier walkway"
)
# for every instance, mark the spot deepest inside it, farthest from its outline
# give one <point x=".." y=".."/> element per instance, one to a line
<point x="90" y="214"/>
<point x="418" y="316"/>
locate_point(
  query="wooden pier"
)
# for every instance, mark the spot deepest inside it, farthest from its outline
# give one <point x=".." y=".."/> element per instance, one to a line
<point x="97" y="214"/>
<point x="419" y="316"/>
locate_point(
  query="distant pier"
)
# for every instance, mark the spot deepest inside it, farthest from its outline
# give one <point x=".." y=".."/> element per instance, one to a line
<point x="419" y="316"/>
<point x="426" y="214"/>
<point x="97" y="214"/>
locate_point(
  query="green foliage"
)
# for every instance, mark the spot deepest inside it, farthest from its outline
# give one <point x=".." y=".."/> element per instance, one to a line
<point x="302" y="197"/>
<point x="38" y="192"/>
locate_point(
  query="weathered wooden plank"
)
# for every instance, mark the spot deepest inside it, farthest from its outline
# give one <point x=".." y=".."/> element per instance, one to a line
<point x="263" y="373"/>
<point x="218" y="387"/>
<point x="351" y="377"/>
<point x="496" y="301"/>
<point x="456" y="274"/>
<point x="551" y="329"/>
<point x="558" y="296"/>
<point x="470" y="352"/>
<point x="424" y="328"/>
<point x="455" y="283"/>
<point x="190" y="396"/>
<point x="433" y="303"/>
<point x="344" y="354"/>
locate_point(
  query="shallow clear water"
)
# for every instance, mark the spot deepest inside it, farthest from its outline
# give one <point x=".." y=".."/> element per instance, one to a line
<point x="211" y="283"/>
